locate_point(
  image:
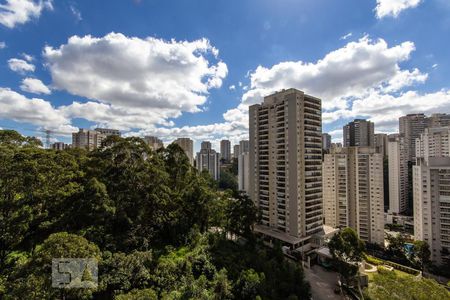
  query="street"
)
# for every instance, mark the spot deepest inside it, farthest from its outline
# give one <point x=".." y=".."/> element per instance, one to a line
<point x="322" y="283"/>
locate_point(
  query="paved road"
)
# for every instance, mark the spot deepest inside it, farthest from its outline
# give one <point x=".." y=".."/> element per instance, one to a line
<point x="322" y="283"/>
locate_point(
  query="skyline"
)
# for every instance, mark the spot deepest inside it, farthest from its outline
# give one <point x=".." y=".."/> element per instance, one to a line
<point x="195" y="73"/>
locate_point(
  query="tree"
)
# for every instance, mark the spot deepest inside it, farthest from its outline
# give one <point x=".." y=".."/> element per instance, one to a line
<point x="396" y="248"/>
<point x="421" y="254"/>
<point x="241" y="216"/>
<point x="347" y="251"/>
<point x="145" y="294"/>
<point x="249" y="284"/>
<point x="32" y="280"/>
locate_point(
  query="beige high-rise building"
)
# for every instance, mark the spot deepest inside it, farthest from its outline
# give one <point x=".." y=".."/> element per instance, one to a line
<point x="353" y="191"/>
<point x="108" y="132"/>
<point x="431" y="192"/>
<point x="439" y="120"/>
<point x="153" y="142"/>
<point x="244" y="146"/>
<point x="87" y="139"/>
<point x="359" y="133"/>
<point x="243" y="172"/>
<point x="188" y="147"/>
<point x="326" y="141"/>
<point x="286" y="166"/>
<point x="381" y="143"/>
<point x="398" y="174"/>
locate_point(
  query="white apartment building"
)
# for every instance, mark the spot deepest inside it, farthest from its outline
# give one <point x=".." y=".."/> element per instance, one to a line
<point x="154" y="142"/>
<point x="208" y="159"/>
<point x="243" y="172"/>
<point x="398" y="173"/>
<point x="286" y="166"/>
<point x="431" y="192"/>
<point x="353" y="191"/>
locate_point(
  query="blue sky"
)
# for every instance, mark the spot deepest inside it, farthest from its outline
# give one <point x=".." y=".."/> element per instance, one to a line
<point x="191" y="68"/>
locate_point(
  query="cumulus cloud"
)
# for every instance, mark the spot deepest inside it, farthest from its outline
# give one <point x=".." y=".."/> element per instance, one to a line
<point x="16" y="12"/>
<point x="232" y="87"/>
<point x="2" y="45"/>
<point x="350" y="71"/>
<point x="137" y="77"/>
<point x="392" y="8"/>
<point x="20" y="66"/>
<point x="34" y="111"/>
<point x="35" y="86"/>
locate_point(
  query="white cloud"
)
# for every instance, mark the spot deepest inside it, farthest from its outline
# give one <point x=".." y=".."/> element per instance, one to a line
<point x="2" y="45"/>
<point x="351" y="71"/>
<point x="76" y="13"/>
<point x="28" y="58"/>
<point x="434" y="66"/>
<point x="33" y="85"/>
<point x="16" y="12"/>
<point x="20" y="66"/>
<point x="232" y="87"/>
<point x="344" y="37"/>
<point x="35" y="111"/>
<point x="137" y="78"/>
<point x="392" y="8"/>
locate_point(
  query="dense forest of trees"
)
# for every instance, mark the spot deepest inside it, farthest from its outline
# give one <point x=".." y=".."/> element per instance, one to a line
<point x="157" y="227"/>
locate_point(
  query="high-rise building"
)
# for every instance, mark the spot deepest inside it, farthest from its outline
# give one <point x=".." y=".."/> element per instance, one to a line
<point x="188" y="147"/>
<point x="87" y="139"/>
<point x="153" y="142"/>
<point x="398" y="173"/>
<point x="431" y="192"/>
<point x="326" y="141"/>
<point x="286" y="166"/>
<point x="59" y="146"/>
<point x="236" y="151"/>
<point x="243" y="172"/>
<point x="225" y="150"/>
<point x="411" y="127"/>
<point x="353" y="191"/>
<point x="381" y="143"/>
<point x="244" y="146"/>
<point x="439" y="120"/>
<point x="359" y="133"/>
<point x="208" y="159"/>
<point x="108" y="132"/>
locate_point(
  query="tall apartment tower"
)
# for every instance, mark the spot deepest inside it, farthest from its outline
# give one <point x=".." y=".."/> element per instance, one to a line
<point x="359" y="133"/>
<point x="439" y="120"/>
<point x="411" y="127"/>
<point x="59" y="146"/>
<point x="208" y="159"/>
<point x="381" y="143"/>
<point x="244" y="146"/>
<point x="286" y="165"/>
<point x="431" y="192"/>
<point x="398" y="173"/>
<point x="353" y="191"/>
<point x="154" y="142"/>
<point x="326" y="141"/>
<point x="87" y="139"/>
<point x="188" y="147"/>
<point x="236" y="151"/>
<point x="225" y="150"/>
<point x="243" y="172"/>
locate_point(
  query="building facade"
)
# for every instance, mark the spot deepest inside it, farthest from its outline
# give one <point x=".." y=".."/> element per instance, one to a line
<point x="285" y="165"/>
<point x="208" y="159"/>
<point x="244" y="146"/>
<point x="398" y="174"/>
<point x="153" y="142"/>
<point x="108" y="132"/>
<point x="359" y="133"/>
<point x="87" y="139"/>
<point x="60" y="146"/>
<point x="326" y="141"/>
<point x="243" y="172"/>
<point x="431" y="193"/>
<point x="188" y="147"/>
<point x="411" y="127"/>
<point x="381" y="143"/>
<point x="236" y="151"/>
<point x="353" y="191"/>
<point x="225" y="150"/>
